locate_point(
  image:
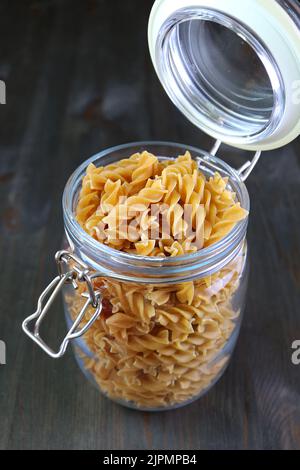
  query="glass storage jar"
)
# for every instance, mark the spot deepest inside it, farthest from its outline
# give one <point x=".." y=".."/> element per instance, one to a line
<point x="168" y="326"/>
<point x="156" y="333"/>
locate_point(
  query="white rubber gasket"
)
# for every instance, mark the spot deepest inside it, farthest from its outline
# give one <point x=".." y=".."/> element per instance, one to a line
<point x="275" y="28"/>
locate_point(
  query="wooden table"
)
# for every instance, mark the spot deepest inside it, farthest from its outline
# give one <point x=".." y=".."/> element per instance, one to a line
<point x="79" y="79"/>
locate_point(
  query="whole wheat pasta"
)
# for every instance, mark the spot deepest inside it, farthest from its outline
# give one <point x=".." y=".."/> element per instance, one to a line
<point x="159" y="345"/>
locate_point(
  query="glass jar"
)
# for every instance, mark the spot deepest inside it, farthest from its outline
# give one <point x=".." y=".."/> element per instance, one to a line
<point x="156" y="333"/>
<point x="168" y="326"/>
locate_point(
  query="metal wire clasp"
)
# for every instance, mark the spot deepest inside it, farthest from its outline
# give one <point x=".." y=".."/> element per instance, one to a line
<point x="79" y="272"/>
<point x="247" y="168"/>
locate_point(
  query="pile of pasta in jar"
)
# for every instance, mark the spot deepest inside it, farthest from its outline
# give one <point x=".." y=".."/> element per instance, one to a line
<point x="160" y="345"/>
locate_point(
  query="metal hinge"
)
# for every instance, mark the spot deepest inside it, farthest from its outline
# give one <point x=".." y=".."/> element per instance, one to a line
<point x="245" y="170"/>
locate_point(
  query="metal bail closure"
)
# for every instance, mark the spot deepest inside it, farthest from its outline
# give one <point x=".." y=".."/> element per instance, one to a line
<point x="79" y="273"/>
<point x="245" y="170"/>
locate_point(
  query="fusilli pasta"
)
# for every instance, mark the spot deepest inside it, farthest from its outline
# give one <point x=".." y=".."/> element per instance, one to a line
<point x="159" y="345"/>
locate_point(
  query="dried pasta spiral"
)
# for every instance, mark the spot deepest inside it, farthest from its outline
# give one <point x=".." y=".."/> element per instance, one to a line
<point x="159" y="345"/>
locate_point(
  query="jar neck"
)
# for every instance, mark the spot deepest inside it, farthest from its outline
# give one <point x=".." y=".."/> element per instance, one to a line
<point x="132" y="268"/>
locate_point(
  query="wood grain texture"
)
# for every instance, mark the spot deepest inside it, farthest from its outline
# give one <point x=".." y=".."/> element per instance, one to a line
<point x="79" y="79"/>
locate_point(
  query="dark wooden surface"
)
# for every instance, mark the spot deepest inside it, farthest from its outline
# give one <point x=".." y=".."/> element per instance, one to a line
<point x="79" y="79"/>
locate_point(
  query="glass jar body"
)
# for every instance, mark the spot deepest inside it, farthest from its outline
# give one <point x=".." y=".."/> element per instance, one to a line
<point x="161" y="346"/>
<point x="168" y="327"/>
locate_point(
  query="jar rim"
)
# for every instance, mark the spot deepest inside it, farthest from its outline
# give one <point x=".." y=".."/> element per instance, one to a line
<point x="113" y="262"/>
<point x="170" y="63"/>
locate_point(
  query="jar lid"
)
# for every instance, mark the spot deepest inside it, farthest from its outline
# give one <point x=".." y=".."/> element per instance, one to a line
<point x="232" y="68"/>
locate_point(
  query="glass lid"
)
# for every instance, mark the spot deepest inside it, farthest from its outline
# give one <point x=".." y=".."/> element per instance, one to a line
<point x="229" y="68"/>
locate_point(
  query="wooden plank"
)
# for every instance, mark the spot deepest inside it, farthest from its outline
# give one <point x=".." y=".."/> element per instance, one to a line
<point x="79" y="79"/>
